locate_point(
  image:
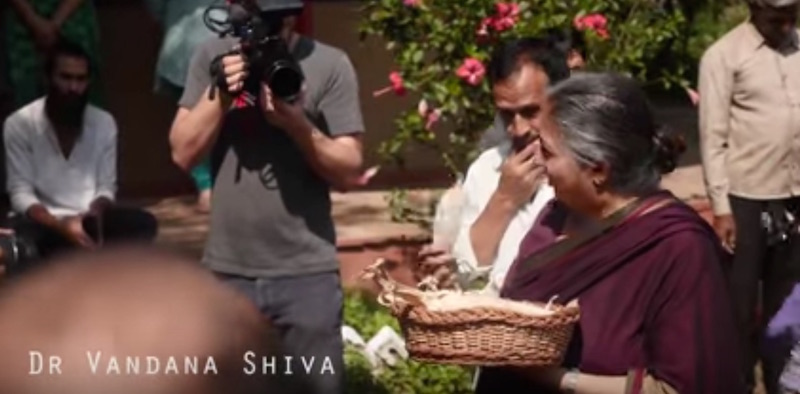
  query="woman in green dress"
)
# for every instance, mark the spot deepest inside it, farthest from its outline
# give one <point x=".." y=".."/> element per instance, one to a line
<point x="31" y="29"/>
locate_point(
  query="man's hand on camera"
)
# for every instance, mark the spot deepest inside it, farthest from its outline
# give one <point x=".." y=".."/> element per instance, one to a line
<point x="289" y="117"/>
<point x="234" y="68"/>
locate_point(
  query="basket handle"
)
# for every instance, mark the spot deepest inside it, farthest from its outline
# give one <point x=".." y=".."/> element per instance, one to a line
<point x="393" y="295"/>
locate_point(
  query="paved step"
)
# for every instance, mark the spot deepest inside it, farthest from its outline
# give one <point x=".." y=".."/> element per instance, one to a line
<point x="364" y="226"/>
<point x="363" y="223"/>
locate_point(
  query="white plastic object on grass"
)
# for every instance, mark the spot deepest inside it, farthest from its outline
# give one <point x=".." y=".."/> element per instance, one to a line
<point x="387" y="346"/>
<point x="351" y="337"/>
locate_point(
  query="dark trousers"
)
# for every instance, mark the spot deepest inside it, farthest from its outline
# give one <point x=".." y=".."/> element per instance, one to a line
<point x="776" y="268"/>
<point x="307" y="313"/>
<point x="118" y="224"/>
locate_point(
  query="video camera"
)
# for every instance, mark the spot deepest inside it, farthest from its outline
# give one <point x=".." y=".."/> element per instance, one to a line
<point x="18" y="253"/>
<point x="268" y="56"/>
<point x="780" y="223"/>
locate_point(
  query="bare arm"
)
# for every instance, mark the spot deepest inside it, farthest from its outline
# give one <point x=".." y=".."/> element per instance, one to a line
<point x="488" y="230"/>
<point x="26" y="12"/>
<point x="64" y="11"/>
<point x="338" y="160"/>
<point x="520" y="177"/>
<point x="582" y="383"/>
<point x="194" y="131"/>
<point x="199" y="119"/>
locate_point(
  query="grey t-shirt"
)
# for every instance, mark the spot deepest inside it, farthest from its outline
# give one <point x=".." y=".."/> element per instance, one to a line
<point x="271" y="213"/>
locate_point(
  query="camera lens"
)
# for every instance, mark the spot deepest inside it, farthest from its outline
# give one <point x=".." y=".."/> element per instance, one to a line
<point x="285" y="80"/>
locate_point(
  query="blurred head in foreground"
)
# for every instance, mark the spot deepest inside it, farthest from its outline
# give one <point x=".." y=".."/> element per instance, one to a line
<point x="87" y="311"/>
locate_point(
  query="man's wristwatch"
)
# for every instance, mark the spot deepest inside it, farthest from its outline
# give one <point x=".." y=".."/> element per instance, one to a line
<point x="570" y="381"/>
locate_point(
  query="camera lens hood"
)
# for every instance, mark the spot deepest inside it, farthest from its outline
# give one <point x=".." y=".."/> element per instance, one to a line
<point x="285" y="79"/>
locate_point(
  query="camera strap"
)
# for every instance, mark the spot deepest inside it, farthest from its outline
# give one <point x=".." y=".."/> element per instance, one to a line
<point x="779" y="221"/>
<point x="218" y="80"/>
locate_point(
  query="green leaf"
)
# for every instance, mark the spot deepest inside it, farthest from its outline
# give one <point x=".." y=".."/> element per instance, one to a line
<point x="417" y="55"/>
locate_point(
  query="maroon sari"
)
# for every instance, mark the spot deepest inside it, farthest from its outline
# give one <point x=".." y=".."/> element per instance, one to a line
<point x="653" y="300"/>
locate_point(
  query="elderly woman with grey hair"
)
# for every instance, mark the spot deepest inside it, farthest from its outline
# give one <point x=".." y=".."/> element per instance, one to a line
<point x="645" y="268"/>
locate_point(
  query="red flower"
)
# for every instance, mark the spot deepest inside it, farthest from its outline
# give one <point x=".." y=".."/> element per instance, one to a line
<point x="483" y="29"/>
<point x="506" y="17"/>
<point x="412" y="3"/>
<point x="471" y="71"/>
<point x="594" y="22"/>
<point x="396" y="85"/>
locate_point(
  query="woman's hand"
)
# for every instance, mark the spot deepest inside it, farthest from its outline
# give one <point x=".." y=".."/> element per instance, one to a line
<point x="577" y="382"/>
<point x="725" y="227"/>
<point x="44" y="32"/>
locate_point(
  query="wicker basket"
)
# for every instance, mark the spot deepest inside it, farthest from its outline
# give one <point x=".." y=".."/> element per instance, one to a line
<point x="497" y="333"/>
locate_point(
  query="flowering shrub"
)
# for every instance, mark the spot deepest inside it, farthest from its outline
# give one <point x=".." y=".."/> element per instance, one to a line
<point x="367" y="317"/>
<point x="441" y="48"/>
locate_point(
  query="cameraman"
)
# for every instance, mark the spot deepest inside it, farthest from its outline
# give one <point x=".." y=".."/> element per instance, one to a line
<point x="271" y="232"/>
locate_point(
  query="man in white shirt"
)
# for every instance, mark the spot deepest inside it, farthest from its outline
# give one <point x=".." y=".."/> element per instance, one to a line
<point x="505" y="188"/>
<point x="61" y="163"/>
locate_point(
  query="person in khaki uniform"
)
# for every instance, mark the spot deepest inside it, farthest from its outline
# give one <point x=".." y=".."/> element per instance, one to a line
<point x="749" y="98"/>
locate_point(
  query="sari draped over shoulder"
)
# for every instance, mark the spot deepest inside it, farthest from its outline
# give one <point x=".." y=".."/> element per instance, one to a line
<point x="653" y="301"/>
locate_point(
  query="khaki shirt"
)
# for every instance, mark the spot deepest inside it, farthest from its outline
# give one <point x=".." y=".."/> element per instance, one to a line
<point x="750" y="118"/>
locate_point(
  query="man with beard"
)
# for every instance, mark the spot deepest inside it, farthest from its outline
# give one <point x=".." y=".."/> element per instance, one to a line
<point x="505" y="188"/>
<point x="61" y="163"/>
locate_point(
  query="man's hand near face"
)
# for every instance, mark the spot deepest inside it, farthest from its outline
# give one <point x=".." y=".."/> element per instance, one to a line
<point x="520" y="177"/>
